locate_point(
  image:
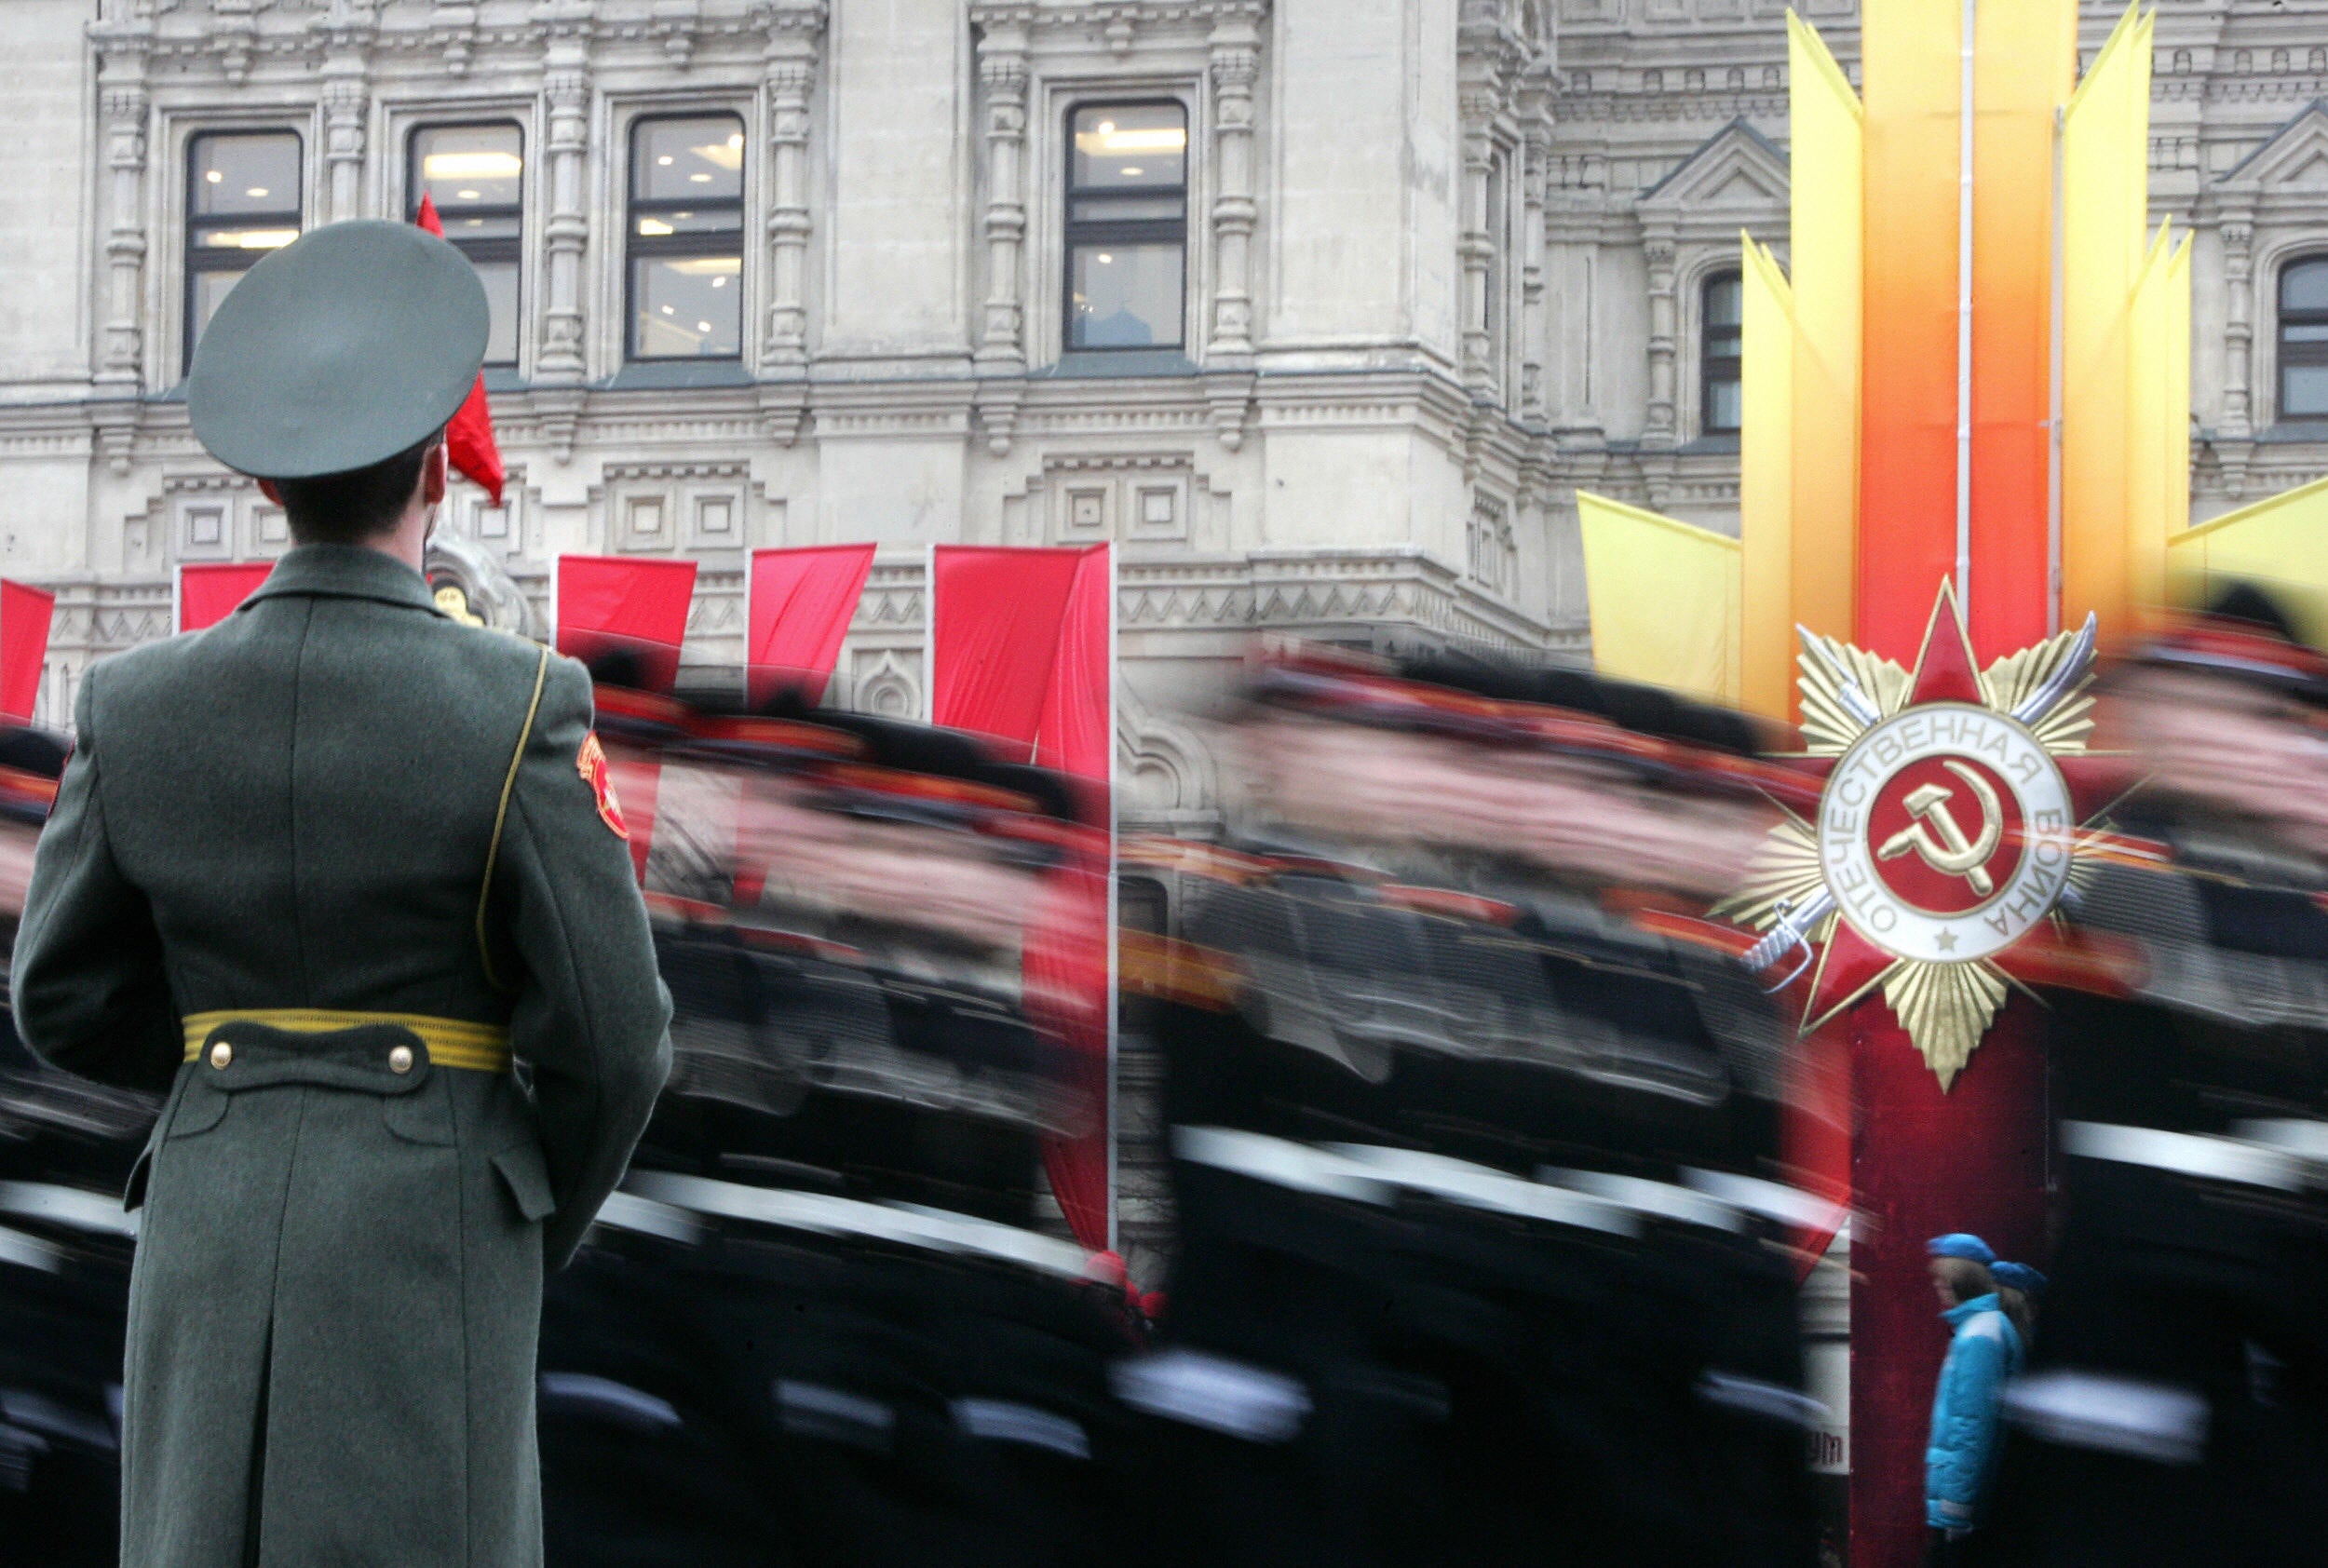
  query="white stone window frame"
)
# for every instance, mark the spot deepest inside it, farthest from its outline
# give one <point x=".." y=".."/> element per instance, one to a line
<point x="1694" y="267"/>
<point x="607" y="337"/>
<point x="168" y="201"/>
<point x="2273" y="257"/>
<point x="391" y="192"/>
<point x="1053" y="97"/>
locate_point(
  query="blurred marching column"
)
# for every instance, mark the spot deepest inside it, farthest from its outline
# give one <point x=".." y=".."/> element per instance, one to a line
<point x="209" y="591"/>
<point x="1023" y="650"/>
<point x="1487" y="1253"/>
<point x="66" y="1147"/>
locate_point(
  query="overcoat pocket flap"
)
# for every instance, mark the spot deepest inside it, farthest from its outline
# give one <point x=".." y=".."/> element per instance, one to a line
<point x="527" y="1177"/>
<point x="133" y="1191"/>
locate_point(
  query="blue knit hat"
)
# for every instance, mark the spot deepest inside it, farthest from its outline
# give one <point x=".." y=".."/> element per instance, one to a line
<point x="2019" y="1277"/>
<point x="1960" y="1244"/>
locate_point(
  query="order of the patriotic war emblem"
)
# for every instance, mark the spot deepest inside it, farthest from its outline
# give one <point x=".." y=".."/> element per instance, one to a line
<point x="1957" y="805"/>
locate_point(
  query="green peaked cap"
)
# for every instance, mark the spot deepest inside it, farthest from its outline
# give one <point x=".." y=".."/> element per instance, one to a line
<point x="353" y="342"/>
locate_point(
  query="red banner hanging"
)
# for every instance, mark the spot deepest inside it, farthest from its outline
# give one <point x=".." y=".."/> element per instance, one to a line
<point x="210" y="592"/>
<point x="1019" y="651"/>
<point x="26" y="613"/>
<point x="611" y="605"/>
<point x="800" y="602"/>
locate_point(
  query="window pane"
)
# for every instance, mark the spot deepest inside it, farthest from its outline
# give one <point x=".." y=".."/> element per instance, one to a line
<point x="500" y="279"/>
<point x="718" y="221"/>
<point x="1724" y="301"/>
<point x="688" y="307"/>
<point x="468" y="166"/>
<point x="2316" y="331"/>
<point x="2304" y="286"/>
<point x="1127" y="209"/>
<point x="1723" y="343"/>
<point x="209" y="288"/>
<point x="238" y="174"/>
<point x="1726" y="405"/>
<point x="244" y="240"/>
<point x="1131" y="146"/>
<point x="2303" y="392"/>
<point x="1126" y="296"/>
<point x="686" y="160"/>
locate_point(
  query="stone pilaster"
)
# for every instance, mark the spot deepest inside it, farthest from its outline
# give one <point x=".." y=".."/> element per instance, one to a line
<point x="1235" y="62"/>
<point x="1663" y="331"/>
<point x="1002" y="73"/>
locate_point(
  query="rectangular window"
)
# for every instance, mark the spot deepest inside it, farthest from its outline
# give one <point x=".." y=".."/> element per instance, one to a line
<point x="1721" y="389"/>
<point x="1126" y="226"/>
<point x="2303" y="338"/>
<point x="475" y="174"/>
<point x="242" y="200"/>
<point x="686" y="244"/>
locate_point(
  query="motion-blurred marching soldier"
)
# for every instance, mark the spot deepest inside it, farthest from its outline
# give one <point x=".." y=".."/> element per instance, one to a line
<point x="1471" y="1152"/>
<point x="340" y="875"/>
<point x="2176" y="1406"/>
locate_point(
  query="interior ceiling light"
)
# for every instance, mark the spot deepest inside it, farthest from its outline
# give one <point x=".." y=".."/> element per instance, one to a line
<point x="699" y="178"/>
<point x="1162" y="138"/>
<point x="213" y="176"/>
<point x="735" y="142"/>
<point x="469" y="195"/>
<point x="255" y="190"/>
<point x="652" y="226"/>
<point x="703" y="326"/>
<point x="663" y="162"/>
<point x="728" y="155"/>
<point x="472" y="166"/>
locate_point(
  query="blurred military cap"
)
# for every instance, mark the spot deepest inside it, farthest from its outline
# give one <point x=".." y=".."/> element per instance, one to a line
<point x="353" y="342"/>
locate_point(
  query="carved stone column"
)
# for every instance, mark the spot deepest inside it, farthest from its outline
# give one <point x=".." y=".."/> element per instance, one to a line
<point x="1236" y="60"/>
<point x="561" y="367"/>
<point x="792" y="68"/>
<point x="124" y="104"/>
<point x="2238" y="328"/>
<point x="1476" y="247"/>
<point x="345" y="99"/>
<point x="1535" y="155"/>
<point x="1662" y="330"/>
<point x="1002" y="72"/>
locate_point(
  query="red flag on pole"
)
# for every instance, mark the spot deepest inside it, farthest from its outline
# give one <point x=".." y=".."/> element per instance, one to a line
<point x="801" y="601"/>
<point x="26" y="613"/>
<point x="468" y="440"/>
<point x="1019" y="651"/>
<point x="207" y="593"/>
<point x="611" y="603"/>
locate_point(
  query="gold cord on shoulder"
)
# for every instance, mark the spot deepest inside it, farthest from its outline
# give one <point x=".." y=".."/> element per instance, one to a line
<point x="501" y="816"/>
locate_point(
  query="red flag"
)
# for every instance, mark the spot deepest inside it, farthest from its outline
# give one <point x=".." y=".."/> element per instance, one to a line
<point x="1019" y="650"/>
<point x="24" y="615"/>
<point x="801" y="603"/>
<point x="611" y="603"/>
<point x="468" y="440"/>
<point x="208" y="593"/>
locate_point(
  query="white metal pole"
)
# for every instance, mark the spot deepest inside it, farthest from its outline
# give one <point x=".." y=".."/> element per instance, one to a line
<point x="2054" y="398"/>
<point x="1964" y="318"/>
<point x="1114" y="1000"/>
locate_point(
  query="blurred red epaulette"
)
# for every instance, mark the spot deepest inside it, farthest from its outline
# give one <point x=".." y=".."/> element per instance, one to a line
<point x="628" y="703"/>
<point x="27" y="788"/>
<point x="2125" y="849"/>
<point x="2070" y="959"/>
<point x="777" y="735"/>
<point x="690" y="911"/>
<point x="1166" y="969"/>
<point x="1449" y="904"/>
<point x="1660" y="916"/>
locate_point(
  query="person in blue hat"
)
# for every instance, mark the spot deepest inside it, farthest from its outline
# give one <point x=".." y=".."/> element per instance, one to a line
<point x="1986" y="1349"/>
<point x="2019" y="1289"/>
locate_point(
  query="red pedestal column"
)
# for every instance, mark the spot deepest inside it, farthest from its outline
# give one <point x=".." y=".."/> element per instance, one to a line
<point x="1924" y="1163"/>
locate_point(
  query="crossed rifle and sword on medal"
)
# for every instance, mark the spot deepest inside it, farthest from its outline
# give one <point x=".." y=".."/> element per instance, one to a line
<point x="1933" y="835"/>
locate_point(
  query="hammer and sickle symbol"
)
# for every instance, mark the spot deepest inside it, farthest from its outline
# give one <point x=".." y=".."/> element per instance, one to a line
<point x="1939" y="842"/>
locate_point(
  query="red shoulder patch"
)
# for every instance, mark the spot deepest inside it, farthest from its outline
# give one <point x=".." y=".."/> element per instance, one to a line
<point x="591" y="764"/>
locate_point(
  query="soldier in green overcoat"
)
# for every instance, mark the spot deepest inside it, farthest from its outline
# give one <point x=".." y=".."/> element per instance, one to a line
<point x="346" y="879"/>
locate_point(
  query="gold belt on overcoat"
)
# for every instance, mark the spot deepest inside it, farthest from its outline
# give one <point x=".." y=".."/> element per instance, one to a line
<point x="452" y="1042"/>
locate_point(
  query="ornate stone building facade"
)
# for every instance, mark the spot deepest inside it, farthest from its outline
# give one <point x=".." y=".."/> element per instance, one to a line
<point x="1320" y="310"/>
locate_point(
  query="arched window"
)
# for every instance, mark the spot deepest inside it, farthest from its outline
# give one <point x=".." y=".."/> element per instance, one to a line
<point x="2303" y="338"/>
<point x="1721" y="401"/>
